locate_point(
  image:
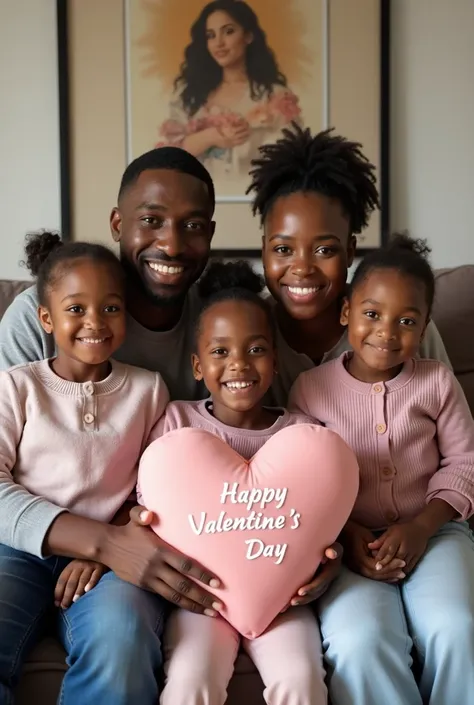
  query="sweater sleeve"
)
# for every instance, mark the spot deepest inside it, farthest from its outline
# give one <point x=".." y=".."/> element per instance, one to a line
<point x="22" y="339"/>
<point x="432" y="347"/>
<point x="24" y="518"/>
<point x="454" y="481"/>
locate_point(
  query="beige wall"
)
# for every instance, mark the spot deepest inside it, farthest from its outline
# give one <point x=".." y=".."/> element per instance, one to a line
<point x="432" y="116"/>
<point x="354" y="61"/>
<point x="98" y="114"/>
<point x="29" y="134"/>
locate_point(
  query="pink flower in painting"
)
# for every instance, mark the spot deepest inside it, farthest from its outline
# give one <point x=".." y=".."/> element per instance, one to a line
<point x="227" y="119"/>
<point x="171" y="130"/>
<point x="286" y="104"/>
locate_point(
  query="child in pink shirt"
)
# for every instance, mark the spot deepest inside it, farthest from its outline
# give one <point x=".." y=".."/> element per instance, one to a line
<point x="235" y="357"/>
<point x="410" y="582"/>
<point x="72" y="431"/>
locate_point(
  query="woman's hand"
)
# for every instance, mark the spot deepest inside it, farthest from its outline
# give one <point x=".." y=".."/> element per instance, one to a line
<point x="359" y="556"/>
<point x="229" y="136"/>
<point x="327" y="572"/>
<point x="77" y="578"/>
<point x="223" y="137"/>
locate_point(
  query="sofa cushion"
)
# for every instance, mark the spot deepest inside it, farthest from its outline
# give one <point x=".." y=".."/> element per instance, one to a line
<point x="453" y="313"/>
<point x="8" y="291"/>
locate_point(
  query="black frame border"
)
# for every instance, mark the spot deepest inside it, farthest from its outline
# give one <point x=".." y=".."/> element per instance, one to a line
<point x="64" y="118"/>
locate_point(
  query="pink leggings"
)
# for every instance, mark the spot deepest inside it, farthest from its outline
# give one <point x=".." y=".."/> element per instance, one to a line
<point x="200" y="653"/>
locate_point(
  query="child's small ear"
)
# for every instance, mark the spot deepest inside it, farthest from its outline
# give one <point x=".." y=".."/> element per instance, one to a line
<point x="196" y="367"/>
<point x="45" y="319"/>
<point x="344" y="319"/>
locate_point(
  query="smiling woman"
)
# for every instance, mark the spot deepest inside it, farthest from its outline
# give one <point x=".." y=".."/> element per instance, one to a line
<point x="314" y="194"/>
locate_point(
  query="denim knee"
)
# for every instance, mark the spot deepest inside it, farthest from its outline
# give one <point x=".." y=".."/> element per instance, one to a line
<point x="357" y="643"/>
<point x="113" y="639"/>
<point x="117" y="642"/>
<point x="450" y="631"/>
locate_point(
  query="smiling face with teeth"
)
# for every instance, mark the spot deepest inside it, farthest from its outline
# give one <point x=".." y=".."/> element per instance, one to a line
<point x="386" y="315"/>
<point x="307" y="249"/>
<point x="86" y="315"/>
<point x="236" y="359"/>
<point x="164" y="226"/>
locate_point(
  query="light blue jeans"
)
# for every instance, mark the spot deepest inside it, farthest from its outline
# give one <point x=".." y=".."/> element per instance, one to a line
<point x="371" y="629"/>
<point x="111" y="634"/>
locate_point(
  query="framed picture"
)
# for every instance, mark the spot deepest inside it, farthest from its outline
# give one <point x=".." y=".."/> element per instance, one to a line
<point x="218" y="79"/>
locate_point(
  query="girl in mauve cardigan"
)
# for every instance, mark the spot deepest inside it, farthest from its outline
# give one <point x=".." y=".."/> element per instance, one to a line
<point x="409" y="585"/>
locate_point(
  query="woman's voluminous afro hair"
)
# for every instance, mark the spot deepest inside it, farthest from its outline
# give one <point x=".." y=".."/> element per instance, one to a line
<point x="324" y="163"/>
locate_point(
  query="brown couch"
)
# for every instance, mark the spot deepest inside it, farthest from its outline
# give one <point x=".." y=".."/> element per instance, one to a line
<point x="454" y="316"/>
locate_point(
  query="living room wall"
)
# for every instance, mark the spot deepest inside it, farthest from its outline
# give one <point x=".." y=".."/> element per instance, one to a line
<point x="29" y="134"/>
<point x="432" y="118"/>
<point x="432" y="106"/>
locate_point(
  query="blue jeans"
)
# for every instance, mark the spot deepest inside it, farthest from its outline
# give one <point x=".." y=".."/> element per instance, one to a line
<point x="112" y="634"/>
<point x="371" y="629"/>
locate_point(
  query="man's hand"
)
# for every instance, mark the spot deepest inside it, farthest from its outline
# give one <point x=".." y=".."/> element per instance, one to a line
<point x="136" y="555"/>
<point x="139" y="556"/>
<point x="77" y="578"/>
<point x="406" y="541"/>
<point x="324" y="576"/>
<point x="359" y="556"/>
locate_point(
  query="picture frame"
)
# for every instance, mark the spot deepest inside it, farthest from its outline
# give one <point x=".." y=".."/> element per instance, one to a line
<point x="356" y="102"/>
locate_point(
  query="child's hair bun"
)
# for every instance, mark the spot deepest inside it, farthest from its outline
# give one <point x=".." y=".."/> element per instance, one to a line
<point x="38" y="247"/>
<point x="403" y="241"/>
<point x="226" y="276"/>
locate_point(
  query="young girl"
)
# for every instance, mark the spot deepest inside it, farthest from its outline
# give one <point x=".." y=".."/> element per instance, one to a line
<point x="410" y="426"/>
<point x="314" y="194"/>
<point x="73" y="428"/>
<point x="235" y="357"/>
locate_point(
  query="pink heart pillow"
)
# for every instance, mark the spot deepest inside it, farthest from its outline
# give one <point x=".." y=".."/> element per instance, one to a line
<point x="261" y="526"/>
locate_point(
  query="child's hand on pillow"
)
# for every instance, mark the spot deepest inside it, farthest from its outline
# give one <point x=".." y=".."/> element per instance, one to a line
<point x="326" y="573"/>
<point x="358" y="542"/>
<point x="77" y="578"/>
<point x="406" y="541"/>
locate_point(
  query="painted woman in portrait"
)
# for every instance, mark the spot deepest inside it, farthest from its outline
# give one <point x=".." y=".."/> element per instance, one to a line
<point x="230" y="96"/>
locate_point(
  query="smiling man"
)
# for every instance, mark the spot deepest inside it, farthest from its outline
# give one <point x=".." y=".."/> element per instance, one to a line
<point x="163" y="224"/>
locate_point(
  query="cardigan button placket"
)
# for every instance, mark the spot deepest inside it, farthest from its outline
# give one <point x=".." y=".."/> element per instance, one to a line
<point x="89" y="389"/>
<point x="89" y="405"/>
<point x="387" y="472"/>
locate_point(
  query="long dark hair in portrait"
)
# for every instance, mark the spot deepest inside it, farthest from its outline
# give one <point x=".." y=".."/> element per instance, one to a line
<point x="200" y="74"/>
